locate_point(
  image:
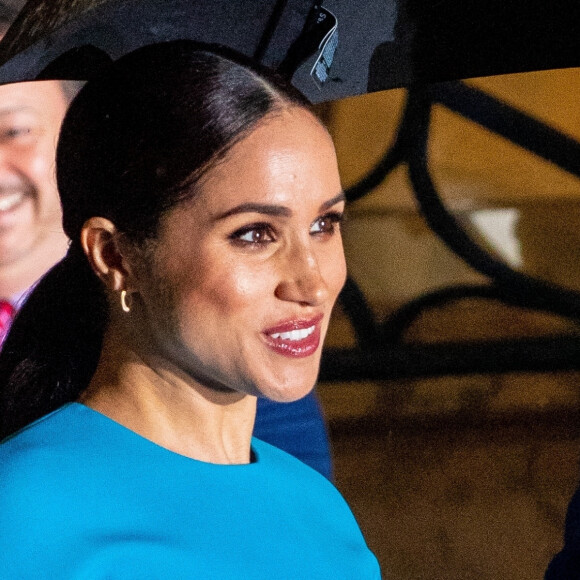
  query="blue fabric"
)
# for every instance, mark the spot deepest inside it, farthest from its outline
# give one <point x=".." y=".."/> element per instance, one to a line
<point x="298" y="428"/>
<point x="82" y="497"/>
<point x="566" y="564"/>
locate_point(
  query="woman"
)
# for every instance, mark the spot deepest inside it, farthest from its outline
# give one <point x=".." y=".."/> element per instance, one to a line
<point x="203" y="202"/>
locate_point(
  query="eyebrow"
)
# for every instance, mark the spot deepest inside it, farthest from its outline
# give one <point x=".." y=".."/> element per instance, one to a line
<point x="333" y="201"/>
<point x="7" y="110"/>
<point x="275" y="210"/>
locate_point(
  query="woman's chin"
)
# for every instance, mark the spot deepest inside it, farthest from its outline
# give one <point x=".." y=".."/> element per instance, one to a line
<point x="287" y="393"/>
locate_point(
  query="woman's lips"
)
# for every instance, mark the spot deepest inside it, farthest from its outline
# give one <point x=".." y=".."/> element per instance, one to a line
<point x="295" y="338"/>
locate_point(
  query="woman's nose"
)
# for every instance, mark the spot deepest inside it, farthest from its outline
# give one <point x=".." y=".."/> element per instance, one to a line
<point x="301" y="278"/>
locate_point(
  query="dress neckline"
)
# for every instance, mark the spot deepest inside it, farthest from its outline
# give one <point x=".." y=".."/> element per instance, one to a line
<point x="148" y="443"/>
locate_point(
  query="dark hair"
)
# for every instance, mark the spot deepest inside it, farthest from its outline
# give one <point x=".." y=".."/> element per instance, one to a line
<point x="70" y="89"/>
<point x="7" y="15"/>
<point x="134" y="143"/>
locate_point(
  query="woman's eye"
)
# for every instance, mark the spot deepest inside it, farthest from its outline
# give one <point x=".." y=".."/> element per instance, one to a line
<point x="258" y="234"/>
<point x="327" y="223"/>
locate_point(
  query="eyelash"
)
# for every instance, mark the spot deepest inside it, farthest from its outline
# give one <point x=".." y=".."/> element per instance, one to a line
<point x="335" y="218"/>
<point x="263" y="228"/>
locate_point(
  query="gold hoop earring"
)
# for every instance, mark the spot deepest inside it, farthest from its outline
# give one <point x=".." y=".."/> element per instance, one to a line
<point x="126" y="307"/>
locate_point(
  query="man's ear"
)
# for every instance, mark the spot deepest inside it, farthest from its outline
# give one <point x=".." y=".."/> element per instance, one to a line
<point x="100" y="240"/>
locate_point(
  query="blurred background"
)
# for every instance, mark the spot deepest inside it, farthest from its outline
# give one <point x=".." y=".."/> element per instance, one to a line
<point x="469" y="475"/>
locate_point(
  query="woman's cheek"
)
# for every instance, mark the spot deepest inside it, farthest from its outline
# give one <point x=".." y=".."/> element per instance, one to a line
<point x="240" y="287"/>
<point x="335" y="270"/>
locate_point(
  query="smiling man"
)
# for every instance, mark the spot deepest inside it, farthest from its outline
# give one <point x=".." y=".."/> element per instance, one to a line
<point x="31" y="236"/>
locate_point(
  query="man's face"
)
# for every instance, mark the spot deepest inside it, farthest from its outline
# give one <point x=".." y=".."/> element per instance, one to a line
<point x="30" y="213"/>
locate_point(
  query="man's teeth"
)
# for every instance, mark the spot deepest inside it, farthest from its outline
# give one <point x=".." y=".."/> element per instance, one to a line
<point x="8" y="201"/>
<point x="294" y="334"/>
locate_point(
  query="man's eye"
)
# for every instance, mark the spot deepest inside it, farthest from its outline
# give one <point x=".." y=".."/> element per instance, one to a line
<point x="327" y="224"/>
<point x="15" y="132"/>
<point x="258" y="234"/>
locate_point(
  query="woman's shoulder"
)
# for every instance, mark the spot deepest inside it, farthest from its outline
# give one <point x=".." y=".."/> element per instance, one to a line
<point x="303" y="499"/>
<point x="23" y="439"/>
<point x="43" y="451"/>
<point x="29" y="449"/>
<point x="32" y="469"/>
<point x="298" y="480"/>
<point x="277" y="461"/>
<point x="50" y="424"/>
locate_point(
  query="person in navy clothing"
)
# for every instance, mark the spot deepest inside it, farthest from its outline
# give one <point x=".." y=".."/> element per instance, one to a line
<point x="566" y="564"/>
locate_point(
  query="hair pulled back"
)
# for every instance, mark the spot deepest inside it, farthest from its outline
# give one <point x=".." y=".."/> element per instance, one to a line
<point x="134" y="143"/>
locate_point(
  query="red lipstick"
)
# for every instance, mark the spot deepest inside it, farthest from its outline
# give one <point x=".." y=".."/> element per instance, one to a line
<point x="295" y="338"/>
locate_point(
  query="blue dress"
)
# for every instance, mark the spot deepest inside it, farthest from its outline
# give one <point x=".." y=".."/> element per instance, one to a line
<point x="83" y="497"/>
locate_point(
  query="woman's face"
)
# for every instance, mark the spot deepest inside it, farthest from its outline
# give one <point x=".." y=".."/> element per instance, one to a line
<point x="245" y="275"/>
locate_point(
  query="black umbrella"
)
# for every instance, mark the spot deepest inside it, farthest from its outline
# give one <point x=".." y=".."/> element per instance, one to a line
<point x="381" y="43"/>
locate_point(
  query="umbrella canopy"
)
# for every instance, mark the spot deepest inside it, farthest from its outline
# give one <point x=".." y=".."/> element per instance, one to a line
<point x="377" y="44"/>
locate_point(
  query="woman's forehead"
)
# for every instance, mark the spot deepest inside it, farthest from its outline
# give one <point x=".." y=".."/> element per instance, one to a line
<point x="283" y="150"/>
<point x="285" y="166"/>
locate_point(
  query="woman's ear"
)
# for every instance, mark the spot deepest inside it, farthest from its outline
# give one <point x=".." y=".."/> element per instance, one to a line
<point x="100" y="240"/>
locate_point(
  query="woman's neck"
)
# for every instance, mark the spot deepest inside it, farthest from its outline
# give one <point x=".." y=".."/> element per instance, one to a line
<point x="162" y="404"/>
